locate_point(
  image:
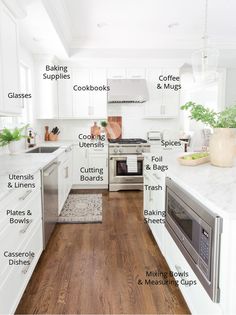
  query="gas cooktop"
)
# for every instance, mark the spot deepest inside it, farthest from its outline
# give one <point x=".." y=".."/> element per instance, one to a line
<point x="128" y="141"/>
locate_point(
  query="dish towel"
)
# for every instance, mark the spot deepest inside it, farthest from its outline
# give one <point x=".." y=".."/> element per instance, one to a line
<point x="132" y="164"/>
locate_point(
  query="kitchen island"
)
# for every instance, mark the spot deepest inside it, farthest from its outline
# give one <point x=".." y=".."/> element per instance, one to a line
<point x="214" y="188"/>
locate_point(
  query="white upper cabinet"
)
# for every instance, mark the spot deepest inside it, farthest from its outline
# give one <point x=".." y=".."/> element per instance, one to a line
<point x="9" y="60"/>
<point x="136" y="73"/>
<point x="81" y="96"/>
<point x="98" y="100"/>
<point x="153" y="105"/>
<point x="85" y="96"/>
<point x="46" y="89"/>
<point x="65" y="92"/>
<point x="171" y="95"/>
<point x="164" y="93"/>
<point x="116" y="73"/>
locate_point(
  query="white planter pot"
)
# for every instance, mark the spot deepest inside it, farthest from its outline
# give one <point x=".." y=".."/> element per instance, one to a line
<point x="222" y="147"/>
<point x="12" y="147"/>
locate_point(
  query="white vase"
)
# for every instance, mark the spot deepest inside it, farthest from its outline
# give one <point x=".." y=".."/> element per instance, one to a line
<point x="222" y="147"/>
<point x="12" y="147"/>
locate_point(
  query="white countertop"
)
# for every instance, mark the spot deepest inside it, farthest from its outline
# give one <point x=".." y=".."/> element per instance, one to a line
<point x="27" y="163"/>
<point x="215" y="187"/>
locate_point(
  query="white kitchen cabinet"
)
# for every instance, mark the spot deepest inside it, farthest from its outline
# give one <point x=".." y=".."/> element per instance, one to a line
<point x="154" y="200"/>
<point x="99" y="160"/>
<point x="80" y="159"/>
<point x="65" y="99"/>
<point x="87" y="163"/>
<point x="194" y="294"/>
<point x="135" y="73"/>
<point x="46" y="90"/>
<point x="153" y="105"/>
<point x="81" y="99"/>
<point x="163" y="103"/>
<point x="89" y="102"/>
<point x="9" y="60"/>
<point x="98" y="99"/>
<point x="23" y="236"/>
<point x="116" y="73"/>
<point x="171" y="97"/>
<point x="65" y="173"/>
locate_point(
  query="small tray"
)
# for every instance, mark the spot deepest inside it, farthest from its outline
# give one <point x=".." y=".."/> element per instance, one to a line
<point x="196" y="162"/>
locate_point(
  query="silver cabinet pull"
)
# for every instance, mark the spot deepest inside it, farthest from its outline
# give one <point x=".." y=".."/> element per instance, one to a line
<point x="66" y="171"/>
<point x="179" y="270"/>
<point x="26" y="227"/>
<point x="26" y="268"/>
<point x="27" y="193"/>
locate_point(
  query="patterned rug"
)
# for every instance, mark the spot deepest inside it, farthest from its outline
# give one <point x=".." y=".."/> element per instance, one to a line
<point x="82" y="208"/>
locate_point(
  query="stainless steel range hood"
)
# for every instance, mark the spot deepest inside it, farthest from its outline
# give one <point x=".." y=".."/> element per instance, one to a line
<point x="127" y="91"/>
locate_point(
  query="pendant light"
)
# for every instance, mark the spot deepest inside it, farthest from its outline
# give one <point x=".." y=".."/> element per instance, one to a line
<point x="205" y="60"/>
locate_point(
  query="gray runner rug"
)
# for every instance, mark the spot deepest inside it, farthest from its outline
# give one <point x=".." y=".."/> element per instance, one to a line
<point x="82" y="208"/>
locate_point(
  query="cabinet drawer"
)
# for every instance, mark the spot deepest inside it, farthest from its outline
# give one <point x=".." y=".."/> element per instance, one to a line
<point x="16" y="280"/>
<point x="14" y="236"/>
<point x="196" y="297"/>
<point x="18" y="196"/>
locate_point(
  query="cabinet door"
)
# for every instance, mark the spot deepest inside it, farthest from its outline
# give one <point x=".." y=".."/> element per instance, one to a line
<point x="116" y="73"/>
<point x="98" y="78"/>
<point x="153" y="105"/>
<point x="46" y="92"/>
<point x="158" y="205"/>
<point x="136" y="73"/>
<point x="65" y="91"/>
<point x="80" y="161"/>
<point x="99" y="161"/>
<point x="10" y="62"/>
<point x="81" y="99"/>
<point x="171" y="96"/>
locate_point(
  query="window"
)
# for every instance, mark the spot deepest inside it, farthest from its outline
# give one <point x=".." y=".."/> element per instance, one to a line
<point x="27" y="112"/>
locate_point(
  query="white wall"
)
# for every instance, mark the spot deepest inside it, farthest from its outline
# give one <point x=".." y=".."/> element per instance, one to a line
<point x="230" y="93"/>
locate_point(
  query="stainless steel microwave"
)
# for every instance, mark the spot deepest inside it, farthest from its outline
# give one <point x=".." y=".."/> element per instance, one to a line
<point x="197" y="233"/>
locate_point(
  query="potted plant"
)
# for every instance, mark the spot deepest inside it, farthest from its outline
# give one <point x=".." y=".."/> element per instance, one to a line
<point x="10" y="138"/>
<point x="222" y="141"/>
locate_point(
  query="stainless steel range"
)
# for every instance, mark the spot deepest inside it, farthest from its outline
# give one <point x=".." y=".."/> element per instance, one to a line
<point x="126" y="163"/>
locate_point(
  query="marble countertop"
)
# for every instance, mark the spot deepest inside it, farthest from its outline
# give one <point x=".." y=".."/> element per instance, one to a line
<point x="27" y="163"/>
<point x="213" y="186"/>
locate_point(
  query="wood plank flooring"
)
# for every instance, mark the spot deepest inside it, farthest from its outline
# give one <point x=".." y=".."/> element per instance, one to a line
<point x="95" y="268"/>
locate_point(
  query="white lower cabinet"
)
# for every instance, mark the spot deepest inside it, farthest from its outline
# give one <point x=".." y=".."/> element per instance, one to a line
<point x="64" y="177"/>
<point x="195" y="295"/>
<point x="12" y="288"/>
<point x="154" y="204"/>
<point x="90" y="167"/>
<point x="19" y="234"/>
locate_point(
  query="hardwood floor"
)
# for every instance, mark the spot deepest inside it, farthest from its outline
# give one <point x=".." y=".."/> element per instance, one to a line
<point x="95" y="268"/>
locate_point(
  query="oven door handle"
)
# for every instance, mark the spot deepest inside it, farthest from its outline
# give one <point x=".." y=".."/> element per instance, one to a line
<point x="124" y="157"/>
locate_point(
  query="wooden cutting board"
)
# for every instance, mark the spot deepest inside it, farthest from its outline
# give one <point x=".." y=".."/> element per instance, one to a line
<point x="114" y="127"/>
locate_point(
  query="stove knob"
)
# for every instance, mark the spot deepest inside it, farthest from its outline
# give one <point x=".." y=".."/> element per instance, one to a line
<point x="115" y="150"/>
<point x="120" y="150"/>
<point x="138" y="150"/>
<point x="143" y="150"/>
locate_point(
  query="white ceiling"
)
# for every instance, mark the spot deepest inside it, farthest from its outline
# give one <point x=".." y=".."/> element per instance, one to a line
<point x="116" y="25"/>
<point x="143" y="24"/>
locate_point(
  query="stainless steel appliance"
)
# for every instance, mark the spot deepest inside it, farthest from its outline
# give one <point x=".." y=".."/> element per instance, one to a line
<point x="197" y="232"/>
<point x="120" y="178"/>
<point x="50" y="199"/>
<point x="127" y="91"/>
